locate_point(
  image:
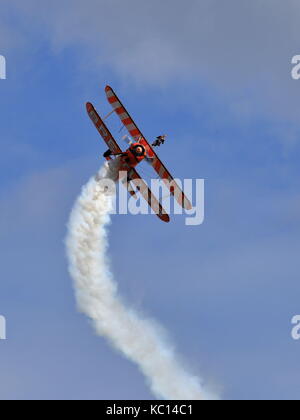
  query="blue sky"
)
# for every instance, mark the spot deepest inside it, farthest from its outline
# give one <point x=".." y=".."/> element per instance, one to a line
<point x="216" y="77"/>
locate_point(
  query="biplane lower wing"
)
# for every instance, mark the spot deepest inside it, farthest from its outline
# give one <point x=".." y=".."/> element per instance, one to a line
<point x="137" y="135"/>
<point x="132" y="176"/>
<point x="143" y="189"/>
<point x="126" y="183"/>
<point x="102" y="129"/>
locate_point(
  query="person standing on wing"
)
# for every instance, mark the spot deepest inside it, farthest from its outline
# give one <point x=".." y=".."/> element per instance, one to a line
<point x="159" y="140"/>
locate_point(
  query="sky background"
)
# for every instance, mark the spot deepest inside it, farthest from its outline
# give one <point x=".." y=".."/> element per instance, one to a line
<point x="215" y="76"/>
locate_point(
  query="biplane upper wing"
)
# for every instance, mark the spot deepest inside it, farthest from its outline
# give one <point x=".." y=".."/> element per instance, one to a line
<point x="103" y="130"/>
<point x="143" y="189"/>
<point x="137" y="135"/>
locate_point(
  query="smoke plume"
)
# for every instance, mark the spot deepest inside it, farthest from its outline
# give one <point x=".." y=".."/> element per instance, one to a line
<point x="139" y="339"/>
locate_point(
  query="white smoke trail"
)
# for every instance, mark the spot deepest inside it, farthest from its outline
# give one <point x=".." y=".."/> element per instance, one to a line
<point x="97" y="296"/>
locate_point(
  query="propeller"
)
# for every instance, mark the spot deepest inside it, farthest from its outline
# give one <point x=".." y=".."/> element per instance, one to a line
<point x="127" y="139"/>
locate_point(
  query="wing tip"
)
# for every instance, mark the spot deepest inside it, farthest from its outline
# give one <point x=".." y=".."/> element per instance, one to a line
<point x="88" y="106"/>
<point x="188" y="206"/>
<point x="164" y="217"/>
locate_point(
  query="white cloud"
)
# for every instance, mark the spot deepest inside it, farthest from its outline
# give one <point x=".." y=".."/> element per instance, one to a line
<point x="243" y="49"/>
<point x="231" y="44"/>
<point x="40" y="200"/>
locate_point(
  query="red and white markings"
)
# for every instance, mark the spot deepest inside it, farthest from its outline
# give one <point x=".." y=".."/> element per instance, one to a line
<point x="138" y="136"/>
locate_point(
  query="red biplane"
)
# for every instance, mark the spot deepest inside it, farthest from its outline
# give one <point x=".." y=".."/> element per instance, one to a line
<point x="139" y="150"/>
